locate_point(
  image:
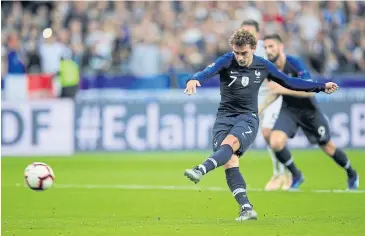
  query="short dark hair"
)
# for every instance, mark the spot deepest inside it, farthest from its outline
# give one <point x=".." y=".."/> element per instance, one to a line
<point x="242" y="37"/>
<point x="274" y="37"/>
<point x="251" y="23"/>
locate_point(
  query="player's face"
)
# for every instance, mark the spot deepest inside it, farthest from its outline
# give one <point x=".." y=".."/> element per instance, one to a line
<point x="243" y="54"/>
<point x="272" y="49"/>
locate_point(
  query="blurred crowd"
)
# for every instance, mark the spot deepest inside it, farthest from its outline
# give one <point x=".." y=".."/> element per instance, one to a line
<point x="147" y="38"/>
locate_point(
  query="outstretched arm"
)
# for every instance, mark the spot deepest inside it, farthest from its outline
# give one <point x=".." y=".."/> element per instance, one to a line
<point x="210" y="71"/>
<point x="213" y="69"/>
<point x="280" y="90"/>
<point x="292" y="83"/>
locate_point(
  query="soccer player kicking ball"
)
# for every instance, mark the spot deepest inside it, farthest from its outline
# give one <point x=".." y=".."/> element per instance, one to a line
<point x="281" y="177"/>
<point x="241" y="75"/>
<point x="300" y="109"/>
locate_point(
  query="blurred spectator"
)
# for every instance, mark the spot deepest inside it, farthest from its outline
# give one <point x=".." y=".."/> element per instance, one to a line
<point x="145" y="58"/>
<point x="16" y="55"/>
<point x="317" y="52"/>
<point x="33" y="59"/>
<point x="4" y="57"/>
<point x="334" y="14"/>
<point x="147" y="38"/>
<point x="51" y="52"/>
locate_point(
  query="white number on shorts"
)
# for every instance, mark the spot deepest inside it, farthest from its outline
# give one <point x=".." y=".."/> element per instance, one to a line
<point x="322" y="131"/>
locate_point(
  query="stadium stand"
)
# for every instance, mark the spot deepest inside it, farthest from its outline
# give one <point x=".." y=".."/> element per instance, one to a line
<point x="128" y="44"/>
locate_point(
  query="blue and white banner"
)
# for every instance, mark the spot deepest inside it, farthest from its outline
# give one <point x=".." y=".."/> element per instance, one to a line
<point x="141" y="121"/>
<point x="37" y="128"/>
<point x="172" y="125"/>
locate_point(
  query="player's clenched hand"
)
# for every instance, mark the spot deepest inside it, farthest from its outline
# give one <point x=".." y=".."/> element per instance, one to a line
<point x="330" y="87"/>
<point x="191" y="86"/>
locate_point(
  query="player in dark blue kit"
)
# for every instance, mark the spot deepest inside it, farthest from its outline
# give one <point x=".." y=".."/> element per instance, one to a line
<point x="241" y="75"/>
<point x="300" y="109"/>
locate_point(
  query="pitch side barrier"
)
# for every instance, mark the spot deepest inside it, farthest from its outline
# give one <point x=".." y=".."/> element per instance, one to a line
<point x="165" y="120"/>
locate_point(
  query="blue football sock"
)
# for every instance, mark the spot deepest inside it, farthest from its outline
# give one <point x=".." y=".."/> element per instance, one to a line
<point x="237" y="185"/>
<point x="284" y="156"/>
<point x="219" y="158"/>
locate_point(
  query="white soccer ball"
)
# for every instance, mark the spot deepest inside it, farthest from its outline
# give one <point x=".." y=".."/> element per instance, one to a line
<point x="39" y="176"/>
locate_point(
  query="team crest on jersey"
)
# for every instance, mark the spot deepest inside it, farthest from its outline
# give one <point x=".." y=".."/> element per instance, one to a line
<point x="258" y="74"/>
<point x="245" y="80"/>
<point x="257" y="80"/>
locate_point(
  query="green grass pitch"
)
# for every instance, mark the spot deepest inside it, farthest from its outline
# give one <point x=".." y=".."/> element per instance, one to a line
<point x="129" y="194"/>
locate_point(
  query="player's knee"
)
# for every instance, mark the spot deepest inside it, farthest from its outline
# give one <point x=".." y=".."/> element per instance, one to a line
<point x="329" y="148"/>
<point x="232" y="141"/>
<point x="233" y="162"/>
<point x="266" y="133"/>
<point x="277" y="140"/>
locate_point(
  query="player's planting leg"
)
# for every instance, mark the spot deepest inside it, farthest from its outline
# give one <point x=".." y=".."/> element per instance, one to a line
<point x="283" y="175"/>
<point x="287" y="177"/>
<point x="220" y="157"/>
<point x="339" y="156"/>
<point x="278" y="179"/>
<point x="237" y="185"/>
<point x="277" y="143"/>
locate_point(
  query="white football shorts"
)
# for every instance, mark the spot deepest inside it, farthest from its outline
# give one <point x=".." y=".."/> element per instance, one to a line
<point x="271" y="113"/>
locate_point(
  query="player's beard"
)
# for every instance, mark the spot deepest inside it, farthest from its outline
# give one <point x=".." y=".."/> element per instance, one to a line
<point x="273" y="59"/>
<point x="243" y="62"/>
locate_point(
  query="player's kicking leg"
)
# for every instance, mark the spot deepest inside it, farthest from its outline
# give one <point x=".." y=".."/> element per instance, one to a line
<point x="339" y="156"/>
<point x="224" y="156"/>
<point x="232" y="135"/>
<point x="220" y="157"/>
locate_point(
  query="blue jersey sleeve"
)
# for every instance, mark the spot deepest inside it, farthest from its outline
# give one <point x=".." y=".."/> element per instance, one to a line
<point x="293" y="83"/>
<point x="300" y="67"/>
<point x="213" y="69"/>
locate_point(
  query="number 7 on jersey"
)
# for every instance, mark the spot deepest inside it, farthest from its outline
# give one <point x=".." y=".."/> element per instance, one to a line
<point x="234" y="79"/>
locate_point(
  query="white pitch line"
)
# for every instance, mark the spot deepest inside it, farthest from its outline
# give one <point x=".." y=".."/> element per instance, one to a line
<point x="194" y="188"/>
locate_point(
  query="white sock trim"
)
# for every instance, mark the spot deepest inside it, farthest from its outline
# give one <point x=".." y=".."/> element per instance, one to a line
<point x="203" y="168"/>
<point x="275" y="162"/>
<point x="238" y="190"/>
<point x="347" y="164"/>
<point x="288" y="162"/>
<point x="281" y="168"/>
<point x="214" y="162"/>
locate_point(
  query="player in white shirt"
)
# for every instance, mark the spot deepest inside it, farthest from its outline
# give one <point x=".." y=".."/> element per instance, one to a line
<point x="280" y="178"/>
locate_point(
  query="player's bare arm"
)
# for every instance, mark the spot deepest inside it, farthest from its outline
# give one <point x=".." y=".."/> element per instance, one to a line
<point x="269" y="99"/>
<point x="274" y="49"/>
<point x="280" y="90"/>
<point x="298" y="84"/>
